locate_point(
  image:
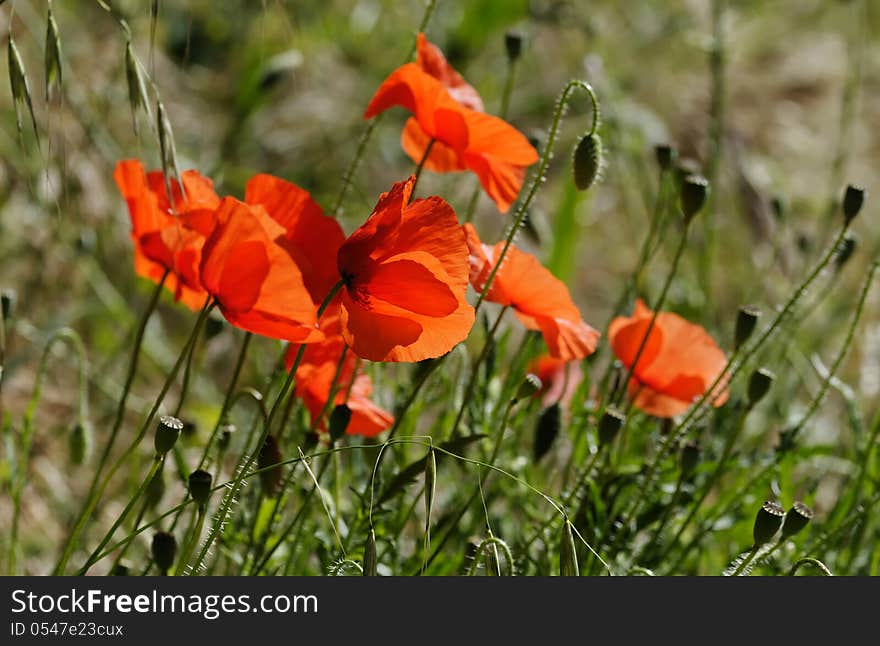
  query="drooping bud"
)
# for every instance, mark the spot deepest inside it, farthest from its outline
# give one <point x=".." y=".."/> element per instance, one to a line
<point x="587" y="160"/>
<point x="513" y="42"/>
<point x="767" y="522"/>
<point x="845" y="251"/>
<point x="199" y="484"/>
<point x="529" y="386"/>
<point x="853" y="198"/>
<point x="609" y="425"/>
<point x="270" y="454"/>
<point x="164" y="549"/>
<point x="167" y="431"/>
<point x="370" y="554"/>
<point x="568" y="563"/>
<point x="79" y="441"/>
<point x="759" y="384"/>
<point x="798" y="517"/>
<point x="546" y="430"/>
<point x="213" y="326"/>
<point x="665" y="155"/>
<point x="694" y="192"/>
<point x="339" y="420"/>
<point x="746" y="321"/>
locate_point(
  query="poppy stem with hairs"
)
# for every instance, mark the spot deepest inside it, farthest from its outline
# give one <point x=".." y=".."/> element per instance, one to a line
<point x="371" y="126"/>
<point x="129" y="379"/>
<point x="242" y="471"/>
<point x="539" y="177"/>
<point x="92" y="501"/>
<point x="421" y="165"/>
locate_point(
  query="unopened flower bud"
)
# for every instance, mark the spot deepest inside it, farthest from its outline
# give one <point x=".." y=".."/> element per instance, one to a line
<point x="167" y="431"/>
<point x="767" y="522"/>
<point x="694" y="192"/>
<point x="155" y="490"/>
<point x="587" y="160"/>
<point x="213" y="326"/>
<point x="609" y="425"/>
<point x="853" y="198"/>
<point x="164" y="549"/>
<point x="665" y="155"/>
<point x="689" y="459"/>
<point x="846" y="249"/>
<point x="513" y="42"/>
<point x="270" y="454"/>
<point x="759" y="385"/>
<point x="529" y="386"/>
<point x="200" y="486"/>
<point x="119" y="570"/>
<point x="798" y="517"/>
<point x="546" y="430"/>
<point x="7" y="299"/>
<point x="79" y="441"/>
<point x="746" y="321"/>
<point x="339" y="420"/>
<point x="777" y="205"/>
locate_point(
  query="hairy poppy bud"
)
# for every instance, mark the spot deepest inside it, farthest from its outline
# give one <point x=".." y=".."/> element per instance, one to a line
<point x="370" y="554"/>
<point x="568" y="563"/>
<point x="665" y="155"/>
<point x="529" y="386"/>
<point x="199" y="483"/>
<point x="846" y="249"/>
<point x="270" y="454"/>
<point x="339" y="420"/>
<point x="609" y="425"/>
<point x="513" y="42"/>
<point x="694" y="192"/>
<point x="689" y="459"/>
<point x="853" y="198"/>
<point x="587" y="160"/>
<point x="759" y="385"/>
<point x="746" y="321"/>
<point x="767" y="522"/>
<point x="167" y="431"/>
<point x="213" y="326"/>
<point x="155" y="490"/>
<point x="798" y="517"/>
<point x="164" y="548"/>
<point x="546" y="430"/>
<point x="79" y="441"/>
<point x="7" y="299"/>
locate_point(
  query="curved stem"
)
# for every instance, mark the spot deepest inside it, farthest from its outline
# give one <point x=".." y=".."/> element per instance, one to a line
<point x="810" y="561"/>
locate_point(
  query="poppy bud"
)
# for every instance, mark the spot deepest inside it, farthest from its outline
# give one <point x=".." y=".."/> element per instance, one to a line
<point x="568" y="563"/>
<point x="164" y="549"/>
<point x="689" y="459"/>
<point x="665" y="155"/>
<point x="798" y="517"/>
<point x="846" y="249"/>
<point x="767" y="522"/>
<point x="759" y="385"/>
<point x="339" y="419"/>
<point x="213" y="326"/>
<point x="694" y="192"/>
<point x="546" y="430"/>
<point x="155" y="490"/>
<point x="609" y="425"/>
<point x="226" y="432"/>
<point x="529" y="386"/>
<point x="167" y="431"/>
<point x="853" y="198"/>
<point x="513" y="42"/>
<point x="587" y="160"/>
<point x="270" y="454"/>
<point x="200" y="486"/>
<point x="79" y="441"/>
<point x="7" y="299"/>
<point x="370" y="554"/>
<point x="119" y="570"/>
<point x="746" y="321"/>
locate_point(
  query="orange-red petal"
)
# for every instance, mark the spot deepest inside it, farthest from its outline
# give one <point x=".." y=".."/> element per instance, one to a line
<point x="433" y="62"/>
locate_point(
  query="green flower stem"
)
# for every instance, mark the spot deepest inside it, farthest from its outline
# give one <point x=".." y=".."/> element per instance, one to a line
<point x="421" y="165"/>
<point x="748" y="559"/>
<point x="191" y="541"/>
<point x="810" y="561"/>
<point x="86" y="512"/>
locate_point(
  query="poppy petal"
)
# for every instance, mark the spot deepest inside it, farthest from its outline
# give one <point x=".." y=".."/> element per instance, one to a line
<point x="373" y="335"/>
<point x="433" y="62"/>
<point x="442" y="158"/>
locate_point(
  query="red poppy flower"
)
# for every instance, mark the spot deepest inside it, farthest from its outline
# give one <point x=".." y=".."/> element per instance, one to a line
<point x="433" y="62"/>
<point x="678" y="363"/>
<point x="559" y="378"/>
<point x="258" y="285"/>
<point x="405" y="276"/>
<point x="463" y="139"/>
<point x="314" y="379"/>
<point x="539" y="299"/>
<point x="168" y="234"/>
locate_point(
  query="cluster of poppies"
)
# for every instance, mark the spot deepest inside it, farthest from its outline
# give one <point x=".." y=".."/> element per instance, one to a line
<point x="395" y="289"/>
